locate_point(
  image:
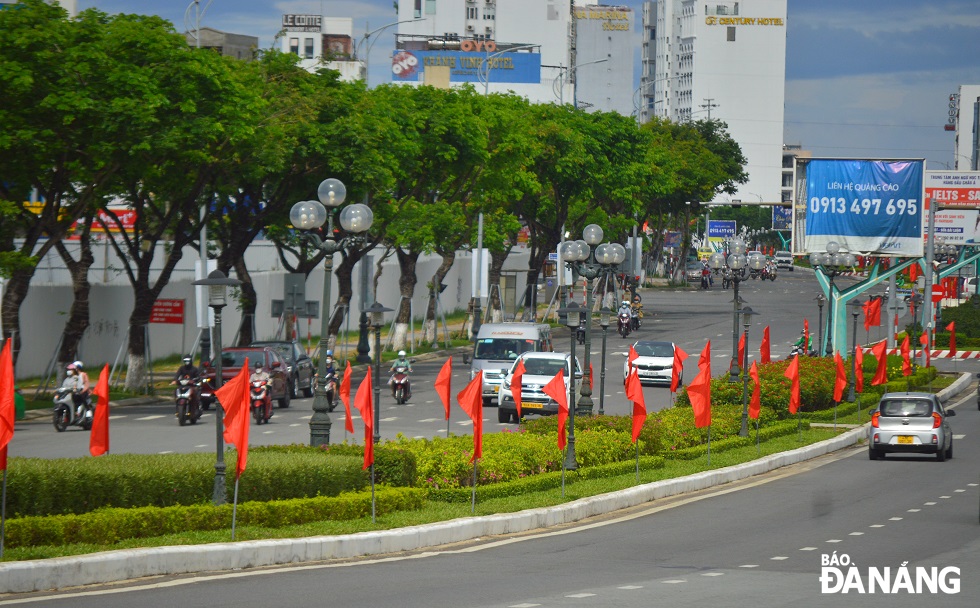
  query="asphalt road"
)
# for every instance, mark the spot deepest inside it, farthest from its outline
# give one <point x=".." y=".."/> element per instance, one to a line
<point x="689" y="318"/>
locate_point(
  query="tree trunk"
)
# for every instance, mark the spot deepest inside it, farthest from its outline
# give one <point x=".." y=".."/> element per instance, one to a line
<point x="429" y="333"/>
<point x="248" y="301"/>
<point x="497" y="259"/>
<point x="78" y="315"/>
<point x="136" y="373"/>
<point x="14" y="294"/>
<point x="407" y="262"/>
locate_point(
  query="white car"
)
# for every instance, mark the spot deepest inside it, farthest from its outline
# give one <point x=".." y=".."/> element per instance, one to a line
<point x="655" y="363"/>
<point x="540" y="369"/>
<point x="784" y="259"/>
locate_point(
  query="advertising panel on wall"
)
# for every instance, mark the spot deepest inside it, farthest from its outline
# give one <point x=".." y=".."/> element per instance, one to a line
<point x="869" y="207"/>
<point x="959" y="189"/>
<point x="720" y="231"/>
<point x="782" y="218"/>
<point x="957" y="226"/>
<point x="515" y="67"/>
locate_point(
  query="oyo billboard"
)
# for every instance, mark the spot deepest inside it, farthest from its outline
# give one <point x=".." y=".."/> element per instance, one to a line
<point x="509" y="67"/>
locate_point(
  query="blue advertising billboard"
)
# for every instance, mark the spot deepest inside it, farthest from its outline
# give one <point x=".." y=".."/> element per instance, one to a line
<point x="782" y="218"/>
<point x="871" y="207"/>
<point x="721" y="229"/>
<point x="516" y="67"/>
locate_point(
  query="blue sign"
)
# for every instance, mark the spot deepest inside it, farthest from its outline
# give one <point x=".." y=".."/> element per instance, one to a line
<point x="870" y="207"/>
<point x="782" y="218"/>
<point x="721" y="229"/>
<point x="517" y="67"/>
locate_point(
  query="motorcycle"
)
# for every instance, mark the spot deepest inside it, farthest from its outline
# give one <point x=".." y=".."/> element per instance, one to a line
<point x="401" y="388"/>
<point x="66" y="413"/>
<point x="580" y="332"/>
<point x="184" y="400"/>
<point x="331" y="389"/>
<point x="798" y="350"/>
<point x="705" y="279"/>
<point x="624" y="323"/>
<point x="637" y="315"/>
<point x="260" y="400"/>
<point x="726" y="278"/>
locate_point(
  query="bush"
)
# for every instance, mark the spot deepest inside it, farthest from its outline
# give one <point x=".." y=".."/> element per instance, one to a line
<point x="393" y="465"/>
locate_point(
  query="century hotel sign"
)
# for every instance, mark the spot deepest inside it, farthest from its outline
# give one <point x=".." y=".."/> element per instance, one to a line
<point x="302" y="23"/>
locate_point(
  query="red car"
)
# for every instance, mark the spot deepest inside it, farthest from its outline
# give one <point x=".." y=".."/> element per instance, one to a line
<point x="232" y="360"/>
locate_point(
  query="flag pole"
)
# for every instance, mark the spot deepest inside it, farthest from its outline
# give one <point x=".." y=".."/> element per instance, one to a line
<point x="234" y="508"/>
<point x="757" y="447"/>
<point x="473" y="492"/>
<point x="709" y="444"/>
<point x="3" y="512"/>
<point x="637" y="461"/>
<point x="563" y="471"/>
<point x="373" y="502"/>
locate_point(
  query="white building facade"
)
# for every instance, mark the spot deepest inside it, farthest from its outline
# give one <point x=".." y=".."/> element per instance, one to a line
<point x="965" y="117"/>
<point x="723" y="60"/>
<point x="604" y="58"/>
<point x="322" y="42"/>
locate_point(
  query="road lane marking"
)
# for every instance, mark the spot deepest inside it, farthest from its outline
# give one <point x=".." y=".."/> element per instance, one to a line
<point x="778" y="558"/>
<point x="808" y="548"/>
<point x="673" y="581"/>
<point x="914" y="510"/>
<point x="856" y="534"/>
<point x="833" y="540"/>
<point x="877" y="526"/>
<point x="581" y="595"/>
<point x="630" y="587"/>
<point x="166" y="452"/>
<point x="523" y="605"/>
<point x="930" y="503"/>
<point x="959" y="490"/>
<point x="713" y="574"/>
<point x="150" y="417"/>
<point x="894" y="519"/>
<point x="749" y="566"/>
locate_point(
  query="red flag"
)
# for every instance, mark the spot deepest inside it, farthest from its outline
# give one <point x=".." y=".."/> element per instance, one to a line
<point x="755" y="404"/>
<point x="7" y="405"/>
<point x="699" y="391"/>
<point x="741" y="349"/>
<point x="840" y="383"/>
<point x="344" y="392"/>
<point x="793" y="373"/>
<point x="364" y="403"/>
<point x="443" y="384"/>
<point x="951" y="328"/>
<point x="866" y="307"/>
<point x="556" y="390"/>
<point x="881" y="373"/>
<point x="233" y="397"/>
<point x="678" y="368"/>
<point x="471" y="400"/>
<point x="806" y="337"/>
<point x="590" y="376"/>
<point x="98" y="441"/>
<point x="764" y="354"/>
<point x="859" y="369"/>
<point x="632" y="355"/>
<point x="913" y="272"/>
<point x="924" y="341"/>
<point x="634" y="392"/>
<point x="515" y="385"/>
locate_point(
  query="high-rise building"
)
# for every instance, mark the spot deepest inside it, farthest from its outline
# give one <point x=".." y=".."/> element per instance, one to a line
<point x="322" y="42"/>
<point x="724" y="60"/>
<point x="965" y="120"/>
<point x="238" y="46"/>
<point x="604" y="57"/>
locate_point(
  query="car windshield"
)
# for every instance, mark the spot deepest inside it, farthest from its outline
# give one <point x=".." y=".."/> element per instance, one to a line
<point x="236" y="358"/>
<point x="283" y="348"/>
<point x="906" y="408"/>
<point x="544" y="367"/>
<point x="654" y="349"/>
<point x="502" y="348"/>
<point x="694" y="266"/>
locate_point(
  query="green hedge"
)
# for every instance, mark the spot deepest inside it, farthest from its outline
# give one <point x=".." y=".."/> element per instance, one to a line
<point x="393" y="465"/>
<point x="108" y="526"/>
<point x="731" y="442"/>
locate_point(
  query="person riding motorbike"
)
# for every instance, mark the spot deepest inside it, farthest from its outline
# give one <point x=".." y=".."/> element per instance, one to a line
<point x="73" y="382"/>
<point x="799" y="343"/>
<point x="85" y="392"/>
<point x="401" y="361"/>
<point x="187" y="368"/>
<point x="637" y="309"/>
<point x="260" y="375"/>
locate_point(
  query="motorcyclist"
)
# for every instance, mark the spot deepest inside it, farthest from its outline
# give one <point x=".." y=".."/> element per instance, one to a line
<point x="260" y="375"/>
<point x="188" y="369"/>
<point x="401" y="361"/>
<point x="637" y="311"/>
<point x="73" y="383"/>
<point x="625" y="308"/>
<point x="83" y="383"/>
<point x="799" y="343"/>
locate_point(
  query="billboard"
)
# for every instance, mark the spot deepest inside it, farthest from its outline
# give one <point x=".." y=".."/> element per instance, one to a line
<point x="869" y="207"/>
<point x="782" y="218"/>
<point x="720" y="231"/>
<point x="516" y="67"/>
<point x="957" y="226"/>
<point x="960" y="189"/>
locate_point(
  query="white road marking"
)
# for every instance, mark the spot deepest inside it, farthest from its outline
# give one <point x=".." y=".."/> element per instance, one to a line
<point x="119" y="417"/>
<point x="294" y="424"/>
<point x="203" y="445"/>
<point x="778" y="558"/>
<point x="856" y="534"/>
<point x="808" y="548"/>
<point x="673" y="581"/>
<point x="391" y="419"/>
<point x="581" y="595"/>
<point x="150" y="417"/>
<point x="630" y="587"/>
<point x="749" y="566"/>
<point x="523" y="605"/>
<point x="930" y="503"/>
<point x="894" y="519"/>
<point x="959" y="490"/>
<point x="945" y="497"/>
<point x="833" y="540"/>
<point x="713" y="574"/>
<point x="166" y="452"/>
<point x="429" y="420"/>
<point x="306" y="417"/>
<point x="877" y="526"/>
<point x="268" y="432"/>
<point x="914" y="510"/>
<point x="958" y="436"/>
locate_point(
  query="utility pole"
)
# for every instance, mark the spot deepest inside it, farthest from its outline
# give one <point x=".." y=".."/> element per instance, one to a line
<point x="709" y="105"/>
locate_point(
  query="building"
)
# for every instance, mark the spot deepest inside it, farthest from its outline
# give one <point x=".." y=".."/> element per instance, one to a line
<point x="790" y="154"/>
<point x="238" y="46"/>
<point x="322" y="42"/>
<point x="964" y="118"/>
<point x="69" y="5"/>
<point x="725" y="60"/>
<point x="604" y="58"/>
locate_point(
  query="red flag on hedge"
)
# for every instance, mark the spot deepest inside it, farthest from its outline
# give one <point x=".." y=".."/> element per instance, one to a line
<point x="98" y="441"/>
<point x="364" y="403"/>
<point x="840" y="383"/>
<point x="924" y="341"/>
<point x="8" y="411"/>
<point x="793" y="373"/>
<point x="344" y="392"/>
<point x="699" y="391"/>
<point x="233" y="397"/>
<point x="557" y="390"/>
<point x="764" y="354"/>
<point x="634" y="392"/>
<point x="442" y="384"/>
<point x="859" y="369"/>
<point x="951" y="328"/>
<point x="905" y="350"/>
<point x="741" y="350"/>
<point x="678" y="368"/>
<point x="755" y="403"/>
<point x="515" y="385"/>
<point x="471" y="400"/>
<point x="881" y="372"/>
<point x="590" y="376"/>
<point x="806" y="337"/>
<point x="872" y="313"/>
<point x="913" y="272"/>
<point x="632" y="355"/>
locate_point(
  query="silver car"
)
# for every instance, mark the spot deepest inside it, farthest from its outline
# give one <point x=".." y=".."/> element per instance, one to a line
<point x="655" y="363"/>
<point x="910" y="422"/>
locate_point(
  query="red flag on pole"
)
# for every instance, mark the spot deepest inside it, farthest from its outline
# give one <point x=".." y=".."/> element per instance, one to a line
<point x="951" y="328"/>
<point x="557" y="390"/>
<point x="924" y="341"/>
<point x="755" y="403"/>
<point x="7" y="403"/>
<point x="515" y="385"/>
<point x="872" y="313"/>
<point x="98" y="441"/>
<point x="806" y="337"/>
<point x="233" y="397"/>
<point x="344" y="392"/>
<point x="631" y="356"/>
<point x="840" y="383"/>
<point x="741" y="349"/>
<point x="442" y="385"/>
<point x="364" y="403"/>
<point x="699" y="391"/>
<point x="634" y="392"/>
<point x="913" y="272"/>
<point x="793" y="373"/>
<point x="881" y="373"/>
<point x="764" y="354"/>
<point x="678" y="368"/>
<point x="859" y="369"/>
<point x="471" y="401"/>
<point x="590" y="376"/>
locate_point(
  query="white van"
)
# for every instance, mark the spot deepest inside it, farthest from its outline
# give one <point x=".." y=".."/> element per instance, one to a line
<point x="497" y="347"/>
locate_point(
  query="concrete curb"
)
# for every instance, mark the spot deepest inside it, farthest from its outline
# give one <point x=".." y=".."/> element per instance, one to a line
<point x="112" y="566"/>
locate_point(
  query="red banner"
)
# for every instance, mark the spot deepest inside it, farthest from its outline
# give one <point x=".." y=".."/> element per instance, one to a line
<point x="168" y="311"/>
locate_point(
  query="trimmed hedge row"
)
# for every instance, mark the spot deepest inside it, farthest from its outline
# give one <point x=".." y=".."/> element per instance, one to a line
<point x="108" y="526"/>
<point x="393" y="465"/>
<point x="767" y="432"/>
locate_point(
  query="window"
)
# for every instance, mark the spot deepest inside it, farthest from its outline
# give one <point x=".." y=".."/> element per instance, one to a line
<point x="731" y="33"/>
<point x="472" y="12"/>
<point x="294" y="46"/>
<point x="418" y="9"/>
<point x="430" y="7"/>
<point x="308" y="48"/>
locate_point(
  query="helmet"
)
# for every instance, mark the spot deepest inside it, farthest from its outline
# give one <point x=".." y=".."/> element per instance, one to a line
<point x="188" y="360"/>
<point x="625" y="303"/>
<point x="401" y="353"/>
<point x="71" y="367"/>
<point x="329" y="353"/>
<point x="258" y="366"/>
<point x="77" y="364"/>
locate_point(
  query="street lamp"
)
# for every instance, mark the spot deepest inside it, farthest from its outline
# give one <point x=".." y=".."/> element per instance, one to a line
<point x="571" y="312"/>
<point x="747" y="313"/>
<point x="216" y="283"/>
<point x="376" y="312"/>
<point x="590" y="263"/>
<point x="483" y="72"/>
<point x="832" y="263"/>
<point x="309" y="216"/>
<point x="604" y="316"/>
<point x="737" y="263"/>
<point x="916" y="302"/>
<point x="821" y="300"/>
<point x="855" y="311"/>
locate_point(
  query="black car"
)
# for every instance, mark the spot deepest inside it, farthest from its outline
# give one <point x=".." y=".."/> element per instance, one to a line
<point x="299" y="366"/>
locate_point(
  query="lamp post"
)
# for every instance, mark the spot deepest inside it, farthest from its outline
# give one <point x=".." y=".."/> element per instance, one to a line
<point x="821" y="300"/>
<point x="216" y="284"/>
<point x="832" y="263"/>
<point x="367" y="54"/>
<point x="747" y="313"/>
<point x="308" y="216"/>
<point x="604" y="316"/>
<point x="572" y="312"/>
<point x="376" y="312"/>
<point x="483" y="72"/>
<point x="855" y="311"/>
<point x="738" y="263"/>
<point x="916" y="302"/>
<point x="590" y="263"/>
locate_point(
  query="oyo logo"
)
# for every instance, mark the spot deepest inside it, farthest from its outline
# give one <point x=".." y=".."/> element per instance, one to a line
<point x="403" y="64"/>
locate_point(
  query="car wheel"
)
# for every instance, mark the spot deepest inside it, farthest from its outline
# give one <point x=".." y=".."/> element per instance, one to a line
<point x="292" y="387"/>
<point x="503" y="416"/>
<point x="489" y="401"/>
<point x="949" y="450"/>
<point x="284" y="402"/>
<point x="873" y="454"/>
<point x="308" y="391"/>
<point x="941" y="455"/>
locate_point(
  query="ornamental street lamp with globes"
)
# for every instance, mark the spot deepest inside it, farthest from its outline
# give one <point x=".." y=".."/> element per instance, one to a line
<point x="309" y="216"/>
<point x="738" y="263"/>
<point x="832" y="263"/>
